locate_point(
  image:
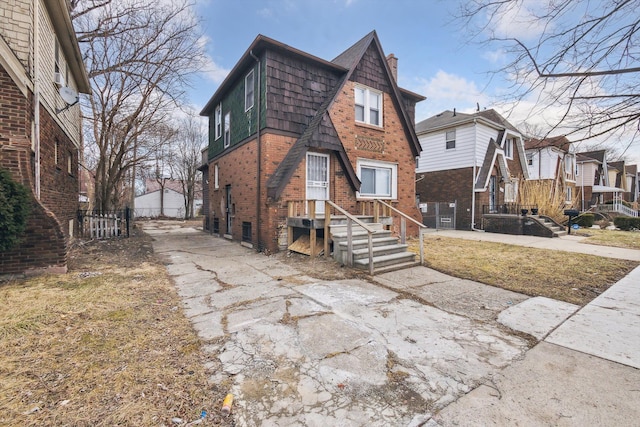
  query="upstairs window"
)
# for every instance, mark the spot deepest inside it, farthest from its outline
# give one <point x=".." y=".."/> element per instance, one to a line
<point x="508" y="148"/>
<point x="450" y="139"/>
<point x="248" y="91"/>
<point x="227" y="129"/>
<point x="530" y="159"/>
<point x="218" y="121"/>
<point x="368" y="104"/>
<point x="216" y="176"/>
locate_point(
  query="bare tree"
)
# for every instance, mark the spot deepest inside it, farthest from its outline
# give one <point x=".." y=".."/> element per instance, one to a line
<point x="580" y="57"/>
<point x="139" y="55"/>
<point x="187" y="157"/>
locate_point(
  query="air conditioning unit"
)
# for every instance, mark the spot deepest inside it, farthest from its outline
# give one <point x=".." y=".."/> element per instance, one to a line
<point x="58" y="79"/>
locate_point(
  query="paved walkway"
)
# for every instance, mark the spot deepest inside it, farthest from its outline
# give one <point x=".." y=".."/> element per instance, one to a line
<point x="408" y="348"/>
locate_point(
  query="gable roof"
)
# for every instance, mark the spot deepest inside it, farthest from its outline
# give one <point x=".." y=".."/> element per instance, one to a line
<point x="561" y="142"/>
<point x="449" y="118"/>
<point x="494" y="152"/>
<point x="260" y="44"/>
<point x="320" y="132"/>
<point x="599" y="155"/>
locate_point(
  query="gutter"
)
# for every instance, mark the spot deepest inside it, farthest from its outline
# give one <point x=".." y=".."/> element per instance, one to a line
<point x="259" y="152"/>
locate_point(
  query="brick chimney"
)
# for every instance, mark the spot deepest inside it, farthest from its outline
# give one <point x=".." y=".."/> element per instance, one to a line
<point x="393" y="65"/>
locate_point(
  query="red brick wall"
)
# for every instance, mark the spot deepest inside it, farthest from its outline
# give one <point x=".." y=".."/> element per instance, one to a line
<point x="58" y="188"/>
<point x="237" y="169"/>
<point x="396" y="146"/>
<point x="449" y="186"/>
<point x="44" y="244"/>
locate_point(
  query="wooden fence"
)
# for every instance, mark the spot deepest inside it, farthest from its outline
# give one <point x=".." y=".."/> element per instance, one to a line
<point x="104" y="225"/>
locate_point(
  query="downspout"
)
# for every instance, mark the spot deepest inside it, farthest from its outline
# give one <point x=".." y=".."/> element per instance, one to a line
<point x="473" y="179"/>
<point x="259" y="152"/>
<point x="36" y="97"/>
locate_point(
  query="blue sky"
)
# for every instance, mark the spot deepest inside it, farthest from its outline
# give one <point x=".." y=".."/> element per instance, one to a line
<point x="434" y="59"/>
<point x="437" y="56"/>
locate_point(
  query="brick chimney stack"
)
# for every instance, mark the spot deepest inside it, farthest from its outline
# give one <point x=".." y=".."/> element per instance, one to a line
<point x="393" y="65"/>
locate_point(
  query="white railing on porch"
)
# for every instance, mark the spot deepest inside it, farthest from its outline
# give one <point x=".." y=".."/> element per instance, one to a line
<point x="617" y="206"/>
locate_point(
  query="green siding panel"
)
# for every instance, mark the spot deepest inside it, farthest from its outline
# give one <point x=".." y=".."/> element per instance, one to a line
<point x="243" y="123"/>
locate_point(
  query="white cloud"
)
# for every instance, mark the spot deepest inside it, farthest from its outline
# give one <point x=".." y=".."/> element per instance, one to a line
<point x="519" y="20"/>
<point x="494" y="56"/>
<point x="265" y="12"/>
<point x="213" y="71"/>
<point x="447" y="91"/>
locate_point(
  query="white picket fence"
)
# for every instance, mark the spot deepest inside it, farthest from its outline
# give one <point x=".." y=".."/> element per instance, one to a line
<point x="98" y="225"/>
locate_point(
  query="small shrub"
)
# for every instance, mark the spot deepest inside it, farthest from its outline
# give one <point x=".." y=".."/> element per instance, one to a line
<point x="585" y="220"/>
<point x="627" y="223"/>
<point x="14" y="209"/>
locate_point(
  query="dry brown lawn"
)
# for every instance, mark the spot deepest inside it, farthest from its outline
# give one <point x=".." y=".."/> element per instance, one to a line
<point x="105" y="344"/>
<point x="570" y="277"/>
<point x="615" y="238"/>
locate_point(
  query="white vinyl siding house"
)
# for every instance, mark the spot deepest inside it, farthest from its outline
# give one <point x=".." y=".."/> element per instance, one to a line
<point x="471" y="146"/>
<point x="439" y="157"/>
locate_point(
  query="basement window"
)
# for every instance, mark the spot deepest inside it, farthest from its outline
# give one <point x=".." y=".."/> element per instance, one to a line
<point x="246" y="232"/>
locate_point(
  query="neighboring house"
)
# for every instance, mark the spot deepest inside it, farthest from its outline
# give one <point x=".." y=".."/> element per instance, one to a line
<point x="605" y="185"/>
<point x="40" y="134"/>
<point x="593" y="178"/>
<point x="476" y="161"/>
<point x="286" y="126"/>
<point x="165" y="200"/>
<point x="553" y="160"/>
<point x="624" y="178"/>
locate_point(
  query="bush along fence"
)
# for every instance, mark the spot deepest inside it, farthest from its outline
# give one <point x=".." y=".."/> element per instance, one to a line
<point x="104" y="225"/>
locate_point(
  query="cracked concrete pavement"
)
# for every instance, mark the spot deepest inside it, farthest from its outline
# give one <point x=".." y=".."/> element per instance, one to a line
<point x="393" y="350"/>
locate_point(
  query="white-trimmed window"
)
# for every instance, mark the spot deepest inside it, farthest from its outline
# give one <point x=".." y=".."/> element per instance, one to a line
<point x="379" y="179"/>
<point x="217" y="118"/>
<point x="70" y="163"/>
<point x="249" y="85"/>
<point x="368" y="106"/>
<point x="508" y="148"/>
<point x="569" y="198"/>
<point x="227" y="129"/>
<point x="216" y="176"/>
<point x="450" y="139"/>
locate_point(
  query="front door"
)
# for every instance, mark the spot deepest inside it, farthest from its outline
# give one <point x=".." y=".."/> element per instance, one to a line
<point x="493" y="194"/>
<point x="228" y="210"/>
<point x="318" y="179"/>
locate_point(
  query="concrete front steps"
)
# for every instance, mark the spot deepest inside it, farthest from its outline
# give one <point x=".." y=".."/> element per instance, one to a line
<point x="388" y="253"/>
<point x="555" y="228"/>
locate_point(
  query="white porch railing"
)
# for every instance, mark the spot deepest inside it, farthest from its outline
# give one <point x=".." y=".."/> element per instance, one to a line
<point x="617" y="206"/>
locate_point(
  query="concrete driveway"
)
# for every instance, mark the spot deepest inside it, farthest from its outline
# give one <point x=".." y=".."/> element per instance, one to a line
<point x="403" y="349"/>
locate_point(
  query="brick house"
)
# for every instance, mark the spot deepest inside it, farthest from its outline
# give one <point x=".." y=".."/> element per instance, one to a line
<point x="339" y="130"/>
<point x="553" y="160"/>
<point x="40" y="138"/>
<point x="473" y="160"/>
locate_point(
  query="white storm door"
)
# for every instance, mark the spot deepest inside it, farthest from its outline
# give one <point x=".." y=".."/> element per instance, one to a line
<point x="318" y="179"/>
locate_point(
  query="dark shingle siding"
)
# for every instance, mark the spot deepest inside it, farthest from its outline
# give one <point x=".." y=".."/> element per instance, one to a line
<point x="295" y="91"/>
<point x="369" y="73"/>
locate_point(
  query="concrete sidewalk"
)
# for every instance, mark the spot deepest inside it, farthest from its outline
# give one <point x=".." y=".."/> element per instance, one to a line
<point x="570" y="243"/>
<point x="408" y="348"/>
